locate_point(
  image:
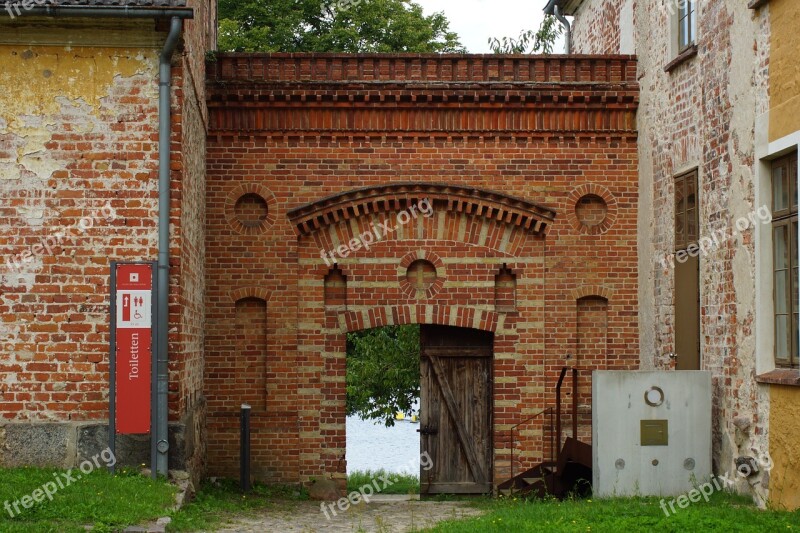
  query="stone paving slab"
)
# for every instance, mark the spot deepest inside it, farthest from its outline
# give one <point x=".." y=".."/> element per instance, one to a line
<point x="388" y="515"/>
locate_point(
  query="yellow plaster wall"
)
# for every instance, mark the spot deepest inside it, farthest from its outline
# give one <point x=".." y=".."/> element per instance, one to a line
<point x="784" y="68"/>
<point x="784" y="75"/>
<point x="41" y="83"/>
<point x="784" y="444"/>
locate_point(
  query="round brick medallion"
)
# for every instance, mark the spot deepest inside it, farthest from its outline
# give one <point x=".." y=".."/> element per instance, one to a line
<point x="251" y="210"/>
<point x="421" y="274"/>
<point x="591" y="210"/>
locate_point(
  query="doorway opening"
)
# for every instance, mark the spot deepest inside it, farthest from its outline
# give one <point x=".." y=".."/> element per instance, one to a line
<point x="383" y="392"/>
<point x="419" y="406"/>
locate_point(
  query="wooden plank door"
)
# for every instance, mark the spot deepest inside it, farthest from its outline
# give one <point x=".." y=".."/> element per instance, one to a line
<point x="456" y="410"/>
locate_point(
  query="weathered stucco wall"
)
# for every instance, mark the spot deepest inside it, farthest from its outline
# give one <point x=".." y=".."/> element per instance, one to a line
<point x="785" y="447"/>
<point x="78" y="176"/>
<point x="700" y="115"/>
<point x="784" y="120"/>
<point x="66" y="116"/>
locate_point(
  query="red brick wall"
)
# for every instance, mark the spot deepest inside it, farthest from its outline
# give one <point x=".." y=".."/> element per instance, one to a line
<point x="187" y="315"/>
<point x="596" y="27"/>
<point x="281" y="129"/>
<point x="101" y="148"/>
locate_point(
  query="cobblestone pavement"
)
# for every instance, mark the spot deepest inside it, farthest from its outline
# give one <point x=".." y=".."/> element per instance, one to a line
<point x="388" y="514"/>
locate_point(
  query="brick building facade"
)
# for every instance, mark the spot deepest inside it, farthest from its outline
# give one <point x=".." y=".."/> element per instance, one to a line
<point x="719" y="97"/>
<point x="561" y="200"/>
<point x="529" y="165"/>
<point x="78" y="180"/>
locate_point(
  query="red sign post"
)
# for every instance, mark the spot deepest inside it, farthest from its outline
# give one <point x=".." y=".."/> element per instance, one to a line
<point x="132" y="336"/>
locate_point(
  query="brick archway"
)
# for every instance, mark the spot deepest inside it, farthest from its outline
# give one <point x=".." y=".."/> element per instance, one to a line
<point x="344" y="144"/>
<point x="399" y="315"/>
<point x="490" y="205"/>
<point x="460" y="241"/>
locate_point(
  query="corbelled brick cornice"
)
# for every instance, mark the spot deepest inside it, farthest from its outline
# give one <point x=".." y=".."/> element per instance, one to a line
<point x="336" y="95"/>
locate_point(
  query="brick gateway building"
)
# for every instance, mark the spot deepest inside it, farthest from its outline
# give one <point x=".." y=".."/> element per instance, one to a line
<point x="529" y="166"/>
<point x="521" y="173"/>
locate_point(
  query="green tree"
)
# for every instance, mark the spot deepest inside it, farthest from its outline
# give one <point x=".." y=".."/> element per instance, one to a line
<point x="540" y="41"/>
<point x="383" y="372"/>
<point x="333" y="26"/>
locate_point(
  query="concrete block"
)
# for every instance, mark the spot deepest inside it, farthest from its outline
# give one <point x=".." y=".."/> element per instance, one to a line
<point x="624" y="462"/>
<point x="32" y="444"/>
<point x="131" y="450"/>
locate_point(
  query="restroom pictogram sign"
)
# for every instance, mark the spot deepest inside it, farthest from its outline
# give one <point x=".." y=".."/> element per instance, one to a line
<point x="136" y="309"/>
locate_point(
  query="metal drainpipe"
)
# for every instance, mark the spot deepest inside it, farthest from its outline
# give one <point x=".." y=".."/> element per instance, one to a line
<point x="162" y="308"/>
<point x="567" y="28"/>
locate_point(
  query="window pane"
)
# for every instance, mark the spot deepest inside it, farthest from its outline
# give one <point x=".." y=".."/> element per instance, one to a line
<point x="782" y="337"/>
<point x="680" y="214"/>
<point x="794" y="284"/>
<point x="691" y="209"/>
<point x="794" y="359"/>
<point x="781" y="291"/>
<point x="780" y="242"/>
<point x="792" y="168"/>
<point x="691" y="226"/>
<point x="684" y="32"/>
<point x="780" y="188"/>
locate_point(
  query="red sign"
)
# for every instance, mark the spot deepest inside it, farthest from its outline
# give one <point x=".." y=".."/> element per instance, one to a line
<point x="134" y="347"/>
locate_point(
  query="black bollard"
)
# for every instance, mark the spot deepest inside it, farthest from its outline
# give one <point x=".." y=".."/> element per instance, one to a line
<point x="244" y="449"/>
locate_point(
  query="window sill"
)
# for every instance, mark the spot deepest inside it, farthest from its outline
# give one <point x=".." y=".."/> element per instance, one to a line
<point x="781" y="376"/>
<point x="684" y="56"/>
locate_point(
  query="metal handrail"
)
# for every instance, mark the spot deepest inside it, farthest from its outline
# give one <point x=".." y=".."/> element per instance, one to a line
<point x="557" y="433"/>
<point x="515" y="426"/>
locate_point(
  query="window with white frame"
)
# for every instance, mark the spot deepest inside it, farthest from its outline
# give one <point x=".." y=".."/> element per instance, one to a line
<point x="785" y="260"/>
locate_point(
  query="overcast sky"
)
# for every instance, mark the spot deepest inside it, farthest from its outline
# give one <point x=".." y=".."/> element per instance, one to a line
<point x="477" y="20"/>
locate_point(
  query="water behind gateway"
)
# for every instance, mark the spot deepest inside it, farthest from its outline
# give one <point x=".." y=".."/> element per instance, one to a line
<point x="372" y="446"/>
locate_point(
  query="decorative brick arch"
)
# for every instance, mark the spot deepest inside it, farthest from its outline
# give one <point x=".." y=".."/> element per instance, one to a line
<point x="532" y="217"/>
<point x="455" y="315"/>
<point x="591" y="290"/>
<point x="473" y="216"/>
<point x="250" y="292"/>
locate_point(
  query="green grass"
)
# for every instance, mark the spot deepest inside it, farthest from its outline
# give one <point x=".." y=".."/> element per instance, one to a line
<point x="219" y="500"/>
<point x="109" y="503"/>
<point x="401" y="483"/>
<point x="724" y="513"/>
<point x="99" y="499"/>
